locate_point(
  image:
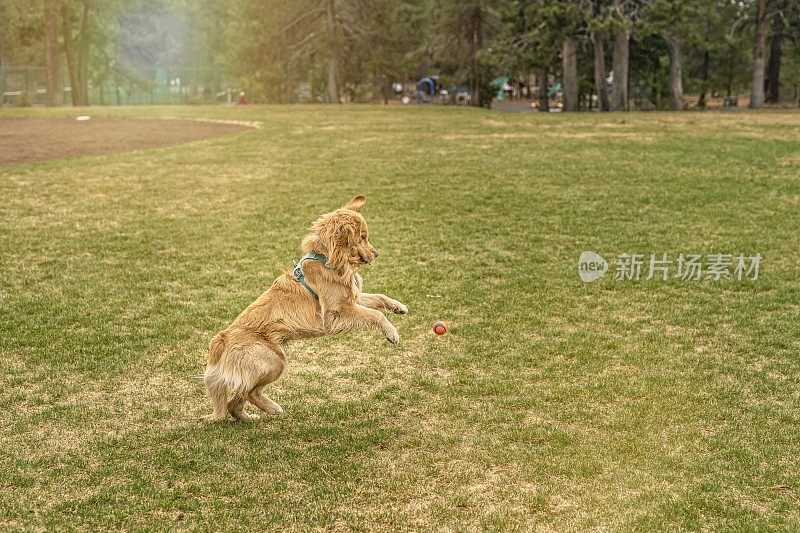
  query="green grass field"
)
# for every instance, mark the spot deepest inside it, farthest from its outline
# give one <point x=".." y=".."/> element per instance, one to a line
<point x="550" y="403"/>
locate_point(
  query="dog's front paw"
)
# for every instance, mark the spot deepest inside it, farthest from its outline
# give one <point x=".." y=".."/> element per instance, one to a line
<point x="392" y="335"/>
<point x="399" y="308"/>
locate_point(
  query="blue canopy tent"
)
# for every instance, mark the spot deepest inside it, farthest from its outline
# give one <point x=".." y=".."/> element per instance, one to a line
<point x="432" y="89"/>
<point x="499" y="83"/>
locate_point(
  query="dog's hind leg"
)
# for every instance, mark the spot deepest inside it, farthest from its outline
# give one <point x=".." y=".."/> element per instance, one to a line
<point x="214" y="379"/>
<point x="218" y="393"/>
<point x="267" y="405"/>
<point x="271" y="361"/>
<point x="236" y="408"/>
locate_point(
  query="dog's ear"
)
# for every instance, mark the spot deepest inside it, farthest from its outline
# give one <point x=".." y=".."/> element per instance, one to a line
<point x="356" y="204"/>
<point x="346" y="232"/>
<point x="338" y="233"/>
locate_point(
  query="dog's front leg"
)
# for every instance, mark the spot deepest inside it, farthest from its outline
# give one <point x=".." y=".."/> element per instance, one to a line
<point x="381" y="301"/>
<point x="341" y="320"/>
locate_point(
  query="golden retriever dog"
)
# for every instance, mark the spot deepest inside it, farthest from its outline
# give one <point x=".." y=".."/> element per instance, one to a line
<point x="322" y="296"/>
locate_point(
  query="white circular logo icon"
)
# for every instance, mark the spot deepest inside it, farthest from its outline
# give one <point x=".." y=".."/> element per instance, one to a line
<point x="591" y="267"/>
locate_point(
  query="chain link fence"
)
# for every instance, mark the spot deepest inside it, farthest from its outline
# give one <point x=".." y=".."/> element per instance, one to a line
<point x="25" y="86"/>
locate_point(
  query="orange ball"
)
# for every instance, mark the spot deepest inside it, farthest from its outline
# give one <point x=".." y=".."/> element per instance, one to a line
<point x="439" y="328"/>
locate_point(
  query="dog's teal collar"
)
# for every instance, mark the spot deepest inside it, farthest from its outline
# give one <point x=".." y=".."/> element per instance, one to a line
<point x="298" y="271"/>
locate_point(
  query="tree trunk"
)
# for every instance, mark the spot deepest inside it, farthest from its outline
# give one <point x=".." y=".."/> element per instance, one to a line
<point x="283" y="59"/>
<point x="83" y="56"/>
<point x="51" y="63"/>
<point x="729" y="76"/>
<point x="600" y="71"/>
<point x="620" y="65"/>
<point x="385" y="89"/>
<point x="476" y="45"/>
<point x="544" y="102"/>
<point x="570" y="66"/>
<point x="2" y="50"/>
<point x="701" y="103"/>
<point x="333" y="58"/>
<point x="774" y="63"/>
<point x="675" y="73"/>
<point x="757" y="92"/>
<point x="69" y="56"/>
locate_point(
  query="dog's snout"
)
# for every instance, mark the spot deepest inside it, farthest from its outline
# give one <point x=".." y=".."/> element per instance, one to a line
<point x="376" y="252"/>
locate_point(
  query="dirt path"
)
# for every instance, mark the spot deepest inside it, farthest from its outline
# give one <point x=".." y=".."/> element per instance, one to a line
<point x="24" y="139"/>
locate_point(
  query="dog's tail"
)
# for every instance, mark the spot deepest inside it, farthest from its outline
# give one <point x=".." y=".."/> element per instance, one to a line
<point x="216" y="349"/>
<point x="214" y="380"/>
